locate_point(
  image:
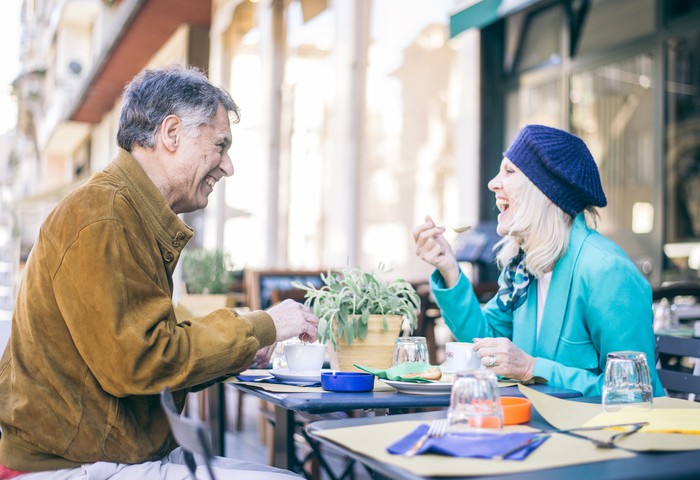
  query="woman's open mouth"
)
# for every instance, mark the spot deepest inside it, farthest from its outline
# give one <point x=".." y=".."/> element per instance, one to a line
<point x="502" y="205"/>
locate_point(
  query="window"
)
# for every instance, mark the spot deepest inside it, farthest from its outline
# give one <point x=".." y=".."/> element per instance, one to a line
<point x="611" y="23"/>
<point x="612" y="111"/>
<point x="683" y="139"/>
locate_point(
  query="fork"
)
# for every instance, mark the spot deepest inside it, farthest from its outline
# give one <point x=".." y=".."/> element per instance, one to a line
<point x="610" y="442"/>
<point x="438" y="428"/>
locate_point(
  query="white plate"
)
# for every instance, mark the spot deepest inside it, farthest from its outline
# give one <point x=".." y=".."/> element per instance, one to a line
<point x="433" y="388"/>
<point x="287" y="375"/>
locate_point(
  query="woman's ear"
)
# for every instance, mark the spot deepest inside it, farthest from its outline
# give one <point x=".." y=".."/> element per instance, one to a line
<point x="169" y="133"/>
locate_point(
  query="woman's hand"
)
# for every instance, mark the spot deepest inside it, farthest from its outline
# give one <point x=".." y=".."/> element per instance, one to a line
<point x="432" y="247"/>
<point x="504" y="358"/>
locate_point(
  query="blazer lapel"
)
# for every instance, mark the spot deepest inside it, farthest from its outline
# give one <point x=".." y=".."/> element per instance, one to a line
<point x="558" y="294"/>
<point x="525" y="321"/>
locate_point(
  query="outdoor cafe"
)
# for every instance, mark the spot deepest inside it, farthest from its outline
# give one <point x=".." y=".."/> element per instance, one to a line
<point x="405" y="407"/>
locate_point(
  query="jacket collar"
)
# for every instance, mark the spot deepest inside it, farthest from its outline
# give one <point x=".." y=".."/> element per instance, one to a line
<point x="171" y="232"/>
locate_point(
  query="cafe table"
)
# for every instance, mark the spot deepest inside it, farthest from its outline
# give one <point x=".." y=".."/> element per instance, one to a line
<point x="642" y="466"/>
<point x="381" y="402"/>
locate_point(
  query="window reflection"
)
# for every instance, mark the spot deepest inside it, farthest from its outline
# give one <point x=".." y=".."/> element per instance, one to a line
<point x="611" y="110"/>
<point x="683" y="139"/>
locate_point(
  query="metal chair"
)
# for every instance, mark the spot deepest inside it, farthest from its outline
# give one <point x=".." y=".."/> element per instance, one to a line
<point x="670" y="290"/>
<point x="191" y="434"/>
<point x="669" y="351"/>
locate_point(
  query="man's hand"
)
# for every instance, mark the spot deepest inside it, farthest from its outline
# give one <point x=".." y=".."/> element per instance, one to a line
<point x="263" y="356"/>
<point x="292" y="319"/>
<point x="504" y="358"/>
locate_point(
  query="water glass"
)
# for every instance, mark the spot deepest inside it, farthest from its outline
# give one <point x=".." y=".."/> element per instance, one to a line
<point x="410" y="349"/>
<point x="627" y="381"/>
<point x="475" y="401"/>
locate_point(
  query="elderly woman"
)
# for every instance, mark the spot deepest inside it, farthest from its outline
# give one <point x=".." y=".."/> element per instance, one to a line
<point x="567" y="295"/>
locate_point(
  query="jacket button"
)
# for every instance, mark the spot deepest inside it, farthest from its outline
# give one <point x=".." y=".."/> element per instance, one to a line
<point x="180" y="236"/>
<point x="176" y="243"/>
<point x="169" y="256"/>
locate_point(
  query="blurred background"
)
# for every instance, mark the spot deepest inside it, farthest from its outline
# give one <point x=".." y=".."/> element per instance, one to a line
<point x="360" y="117"/>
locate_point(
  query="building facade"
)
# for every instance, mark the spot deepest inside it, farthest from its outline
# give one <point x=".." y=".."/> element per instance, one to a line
<point x="624" y="75"/>
<point x="361" y="117"/>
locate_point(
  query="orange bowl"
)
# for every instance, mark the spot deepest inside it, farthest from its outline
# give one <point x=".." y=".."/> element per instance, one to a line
<point x="515" y="410"/>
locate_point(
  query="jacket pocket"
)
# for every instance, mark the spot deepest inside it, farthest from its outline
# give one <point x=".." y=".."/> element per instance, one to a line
<point x="581" y="354"/>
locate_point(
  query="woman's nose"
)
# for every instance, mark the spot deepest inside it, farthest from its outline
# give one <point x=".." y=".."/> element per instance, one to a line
<point x="494" y="184"/>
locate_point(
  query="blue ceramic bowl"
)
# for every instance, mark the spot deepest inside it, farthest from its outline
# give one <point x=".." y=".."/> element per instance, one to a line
<point x="347" y="381"/>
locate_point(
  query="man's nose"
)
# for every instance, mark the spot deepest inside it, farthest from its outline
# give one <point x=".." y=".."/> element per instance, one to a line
<point x="226" y="165"/>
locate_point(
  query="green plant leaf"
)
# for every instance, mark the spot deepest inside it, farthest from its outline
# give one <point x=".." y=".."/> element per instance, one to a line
<point x="363" y="328"/>
<point x="349" y="331"/>
<point x="322" y="328"/>
<point x="364" y="318"/>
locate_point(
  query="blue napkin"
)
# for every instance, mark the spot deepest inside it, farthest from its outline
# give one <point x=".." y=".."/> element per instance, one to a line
<point x="269" y="379"/>
<point x="511" y="446"/>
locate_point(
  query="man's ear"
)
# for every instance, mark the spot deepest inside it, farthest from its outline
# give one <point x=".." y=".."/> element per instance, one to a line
<point x="169" y="133"/>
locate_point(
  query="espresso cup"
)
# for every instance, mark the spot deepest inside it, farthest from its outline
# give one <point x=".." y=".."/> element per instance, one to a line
<point x="460" y="356"/>
<point x="305" y="357"/>
<point x="627" y="382"/>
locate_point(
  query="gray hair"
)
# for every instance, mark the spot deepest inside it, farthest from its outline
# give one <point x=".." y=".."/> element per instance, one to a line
<point x="175" y="90"/>
<point x="540" y="228"/>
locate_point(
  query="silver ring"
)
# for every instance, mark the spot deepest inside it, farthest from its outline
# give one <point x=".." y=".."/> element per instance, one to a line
<point x="492" y="361"/>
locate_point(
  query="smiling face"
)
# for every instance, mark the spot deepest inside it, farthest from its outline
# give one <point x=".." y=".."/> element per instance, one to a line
<point x="505" y="186"/>
<point x="200" y="162"/>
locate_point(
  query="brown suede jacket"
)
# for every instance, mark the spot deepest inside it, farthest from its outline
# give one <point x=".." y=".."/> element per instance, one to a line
<point x="94" y="336"/>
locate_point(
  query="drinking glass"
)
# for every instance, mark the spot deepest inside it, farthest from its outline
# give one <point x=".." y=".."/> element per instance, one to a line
<point x="627" y="381"/>
<point x="475" y="401"/>
<point x="410" y="349"/>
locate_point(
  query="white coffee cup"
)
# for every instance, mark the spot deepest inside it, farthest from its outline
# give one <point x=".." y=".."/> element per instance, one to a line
<point x="305" y="357"/>
<point x="460" y="356"/>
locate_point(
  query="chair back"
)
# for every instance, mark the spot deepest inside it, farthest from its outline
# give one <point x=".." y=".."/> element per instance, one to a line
<point x="671" y="290"/>
<point x="669" y="351"/>
<point x="191" y="434"/>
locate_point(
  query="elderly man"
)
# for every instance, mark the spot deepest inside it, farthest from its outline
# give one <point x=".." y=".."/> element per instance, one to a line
<point x="94" y="336"/>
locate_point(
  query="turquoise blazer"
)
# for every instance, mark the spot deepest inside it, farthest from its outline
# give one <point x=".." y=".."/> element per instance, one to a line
<point x="598" y="302"/>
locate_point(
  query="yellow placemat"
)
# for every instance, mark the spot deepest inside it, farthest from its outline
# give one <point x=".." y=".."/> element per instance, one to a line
<point x="568" y="414"/>
<point x="660" y="420"/>
<point x="557" y="451"/>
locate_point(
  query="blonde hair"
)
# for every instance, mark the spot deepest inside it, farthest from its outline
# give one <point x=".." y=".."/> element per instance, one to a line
<point x="539" y="227"/>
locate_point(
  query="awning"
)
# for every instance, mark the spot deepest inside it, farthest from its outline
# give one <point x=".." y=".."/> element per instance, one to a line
<point x="485" y="12"/>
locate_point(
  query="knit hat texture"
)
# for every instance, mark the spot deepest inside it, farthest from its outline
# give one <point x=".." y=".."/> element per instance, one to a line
<point x="560" y="165"/>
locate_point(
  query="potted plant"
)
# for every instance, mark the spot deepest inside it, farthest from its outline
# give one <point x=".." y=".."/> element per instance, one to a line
<point x="208" y="280"/>
<point x="367" y="312"/>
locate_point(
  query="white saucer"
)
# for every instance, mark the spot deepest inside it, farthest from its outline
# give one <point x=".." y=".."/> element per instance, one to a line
<point x="414" y="388"/>
<point x="287" y="375"/>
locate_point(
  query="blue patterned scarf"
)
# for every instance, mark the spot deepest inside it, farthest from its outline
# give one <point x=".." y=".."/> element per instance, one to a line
<point x="517" y="278"/>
